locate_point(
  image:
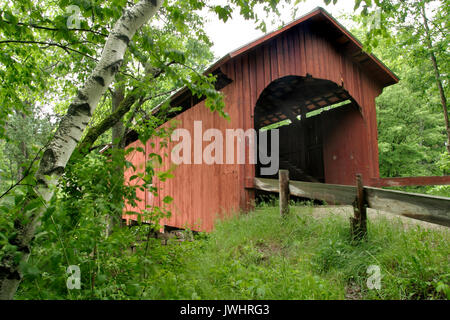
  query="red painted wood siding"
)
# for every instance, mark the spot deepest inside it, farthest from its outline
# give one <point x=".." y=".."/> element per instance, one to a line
<point x="204" y="192"/>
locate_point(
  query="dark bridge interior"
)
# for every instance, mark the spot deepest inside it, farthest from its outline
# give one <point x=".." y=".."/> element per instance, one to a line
<point x="297" y="106"/>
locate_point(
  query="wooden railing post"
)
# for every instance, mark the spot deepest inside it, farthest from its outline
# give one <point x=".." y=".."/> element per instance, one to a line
<point x="284" y="192"/>
<point x="359" y="221"/>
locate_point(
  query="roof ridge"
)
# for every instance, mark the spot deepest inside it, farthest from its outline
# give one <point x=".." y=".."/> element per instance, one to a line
<point x="266" y="37"/>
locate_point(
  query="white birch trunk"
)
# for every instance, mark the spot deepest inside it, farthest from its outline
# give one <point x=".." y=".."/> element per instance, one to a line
<point x="71" y="129"/>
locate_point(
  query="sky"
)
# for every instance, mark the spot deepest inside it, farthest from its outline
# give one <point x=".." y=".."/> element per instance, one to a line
<point x="237" y="31"/>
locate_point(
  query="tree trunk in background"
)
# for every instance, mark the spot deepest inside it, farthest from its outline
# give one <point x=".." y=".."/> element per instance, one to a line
<point x="117" y="180"/>
<point x="24" y="151"/>
<point x="437" y="75"/>
<point x="68" y="134"/>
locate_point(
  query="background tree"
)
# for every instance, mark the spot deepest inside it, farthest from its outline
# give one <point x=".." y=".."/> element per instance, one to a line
<point x="413" y="138"/>
<point x="421" y="28"/>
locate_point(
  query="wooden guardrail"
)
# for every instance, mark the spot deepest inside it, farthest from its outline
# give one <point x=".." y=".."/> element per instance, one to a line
<point x="417" y="206"/>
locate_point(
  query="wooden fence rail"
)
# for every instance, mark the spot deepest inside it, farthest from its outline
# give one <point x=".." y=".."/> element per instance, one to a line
<point x="417" y="206"/>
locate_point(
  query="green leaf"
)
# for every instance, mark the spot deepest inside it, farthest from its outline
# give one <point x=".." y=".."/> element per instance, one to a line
<point x="167" y="199"/>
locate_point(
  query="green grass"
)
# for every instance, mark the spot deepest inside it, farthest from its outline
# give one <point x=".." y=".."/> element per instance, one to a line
<point x="252" y="256"/>
<point x="263" y="256"/>
<point x="442" y="191"/>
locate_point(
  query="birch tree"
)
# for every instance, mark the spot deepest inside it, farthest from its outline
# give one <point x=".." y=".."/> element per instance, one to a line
<point x="71" y="128"/>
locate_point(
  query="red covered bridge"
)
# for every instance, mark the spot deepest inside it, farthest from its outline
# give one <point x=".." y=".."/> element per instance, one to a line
<point x="310" y="65"/>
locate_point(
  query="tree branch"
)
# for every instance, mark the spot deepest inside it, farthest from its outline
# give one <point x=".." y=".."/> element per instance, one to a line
<point x="35" y="26"/>
<point x="95" y="132"/>
<point x="51" y="44"/>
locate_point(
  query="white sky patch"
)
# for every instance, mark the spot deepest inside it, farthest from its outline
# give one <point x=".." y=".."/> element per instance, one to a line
<point x="237" y="31"/>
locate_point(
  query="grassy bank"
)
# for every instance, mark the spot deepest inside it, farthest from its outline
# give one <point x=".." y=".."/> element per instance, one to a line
<point x="262" y="256"/>
<point x="308" y="255"/>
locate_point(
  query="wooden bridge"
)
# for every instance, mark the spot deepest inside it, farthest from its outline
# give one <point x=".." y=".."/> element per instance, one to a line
<point x="423" y="207"/>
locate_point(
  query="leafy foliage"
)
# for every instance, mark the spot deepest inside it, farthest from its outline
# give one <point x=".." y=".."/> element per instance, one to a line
<point x="254" y="256"/>
<point x="411" y="128"/>
<point x="42" y="63"/>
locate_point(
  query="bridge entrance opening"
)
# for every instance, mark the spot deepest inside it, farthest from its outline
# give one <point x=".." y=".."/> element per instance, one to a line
<point x="297" y="107"/>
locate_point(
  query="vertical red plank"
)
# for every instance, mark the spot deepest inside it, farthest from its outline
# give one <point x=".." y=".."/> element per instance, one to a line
<point x="308" y="51"/>
<point x="303" y="59"/>
<point x="335" y="63"/>
<point x="280" y="57"/>
<point x="253" y="81"/>
<point x="267" y="65"/>
<point x="296" y="52"/>
<point x="286" y="55"/>
<point x="259" y="71"/>
<point x="324" y="59"/>
<point x="317" y="56"/>
<point x="274" y="60"/>
<point x="244" y="94"/>
<point x="249" y="124"/>
<point x="293" y="52"/>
